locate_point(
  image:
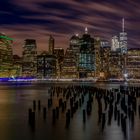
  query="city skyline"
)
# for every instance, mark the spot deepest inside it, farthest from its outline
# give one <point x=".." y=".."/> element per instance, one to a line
<point x="37" y="20"/>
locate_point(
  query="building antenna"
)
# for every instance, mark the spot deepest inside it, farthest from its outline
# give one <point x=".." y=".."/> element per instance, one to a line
<point x="122" y="24"/>
<point x="86" y="30"/>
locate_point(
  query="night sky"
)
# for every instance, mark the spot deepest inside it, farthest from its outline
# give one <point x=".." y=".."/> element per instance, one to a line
<point x="22" y="19"/>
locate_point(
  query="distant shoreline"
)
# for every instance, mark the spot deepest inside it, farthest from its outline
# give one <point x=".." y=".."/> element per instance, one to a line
<point x="77" y="81"/>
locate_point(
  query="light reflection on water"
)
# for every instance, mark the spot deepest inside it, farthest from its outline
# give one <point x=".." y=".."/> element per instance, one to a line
<point x="16" y="99"/>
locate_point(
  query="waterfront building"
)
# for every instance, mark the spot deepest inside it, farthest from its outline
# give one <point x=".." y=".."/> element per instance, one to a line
<point x="105" y="53"/>
<point x="59" y="53"/>
<point x="123" y="39"/>
<point x="51" y="45"/>
<point x="69" y="66"/>
<point x="46" y="65"/>
<point x="119" y="49"/>
<point x="86" y="61"/>
<point x="29" y="56"/>
<point x="97" y="45"/>
<point x="115" y="43"/>
<point x="17" y="66"/>
<point x="115" y="65"/>
<point x="75" y="44"/>
<point x="133" y="63"/>
<point x="6" y="55"/>
<point x="123" y="49"/>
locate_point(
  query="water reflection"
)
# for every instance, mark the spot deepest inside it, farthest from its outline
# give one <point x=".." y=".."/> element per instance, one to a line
<point x="69" y="111"/>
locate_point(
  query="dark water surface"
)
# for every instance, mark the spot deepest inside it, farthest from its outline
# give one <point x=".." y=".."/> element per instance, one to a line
<point x="16" y="99"/>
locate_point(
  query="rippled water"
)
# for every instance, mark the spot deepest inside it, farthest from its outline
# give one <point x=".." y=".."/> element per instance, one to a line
<point x="16" y="99"/>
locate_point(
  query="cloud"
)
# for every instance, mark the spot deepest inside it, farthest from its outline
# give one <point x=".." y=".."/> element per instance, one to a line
<point x="39" y="18"/>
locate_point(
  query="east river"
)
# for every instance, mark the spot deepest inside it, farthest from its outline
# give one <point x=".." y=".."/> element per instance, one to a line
<point x="17" y="98"/>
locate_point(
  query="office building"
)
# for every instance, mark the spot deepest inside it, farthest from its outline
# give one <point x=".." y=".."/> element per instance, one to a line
<point x="115" y="66"/>
<point x="133" y="63"/>
<point x="29" y="58"/>
<point x="59" y="53"/>
<point x="123" y="39"/>
<point x="46" y="66"/>
<point x="6" y="55"/>
<point x="105" y="53"/>
<point x="115" y="43"/>
<point x="86" y="61"/>
<point x="51" y="45"/>
<point x="17" y="66"/>
<point x="75" y="44"/>
<point x="69" y="66"/>
<point x="97" y="45"/>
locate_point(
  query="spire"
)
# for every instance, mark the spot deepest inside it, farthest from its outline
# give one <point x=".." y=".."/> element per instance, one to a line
<point x="86" y="30"/>
<point x="76" y="35"/>
<point x="122" y="24"/>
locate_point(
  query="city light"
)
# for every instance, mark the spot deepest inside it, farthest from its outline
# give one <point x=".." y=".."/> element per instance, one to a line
<point x="86" y="57"/>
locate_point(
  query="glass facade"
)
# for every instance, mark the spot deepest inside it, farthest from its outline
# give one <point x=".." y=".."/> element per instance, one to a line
<point x="86" y="61"/>
<point x="97" y="46"/>
<point x="105" y="52"/>
<point x="133" y="63"/>
<point x="59" y="53"/>
<point x="6" y="55"/>
<point x="75" y="44"/>
<point x="115" y="66"/>
<point x="51" y="45"/>
<point x="29" y="56"/>
<point x="69" y="66"/>
<point x="46" y="66"/>
<point x="123" y="42"/>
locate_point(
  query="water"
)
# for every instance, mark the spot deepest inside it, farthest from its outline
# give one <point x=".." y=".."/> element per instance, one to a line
<point x="16" y="99"/>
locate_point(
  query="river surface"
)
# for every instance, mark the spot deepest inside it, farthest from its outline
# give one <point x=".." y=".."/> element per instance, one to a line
<point x="16" y="99"/>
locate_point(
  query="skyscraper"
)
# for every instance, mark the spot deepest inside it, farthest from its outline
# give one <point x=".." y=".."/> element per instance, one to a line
<point x="46" y="65"/>
<point x="75" y="44"/>
<point x="6" y="55"/>
<point x="133" y="63"/>
<point x="97" y="45"/>
<point x="115" y="43"/>
<point x="86" y="62"/>
<point x="123" y="39"/>
<point x="105" y="52"/>
<point x="51" y="45"/>
<point x="69" y="65"/>
<point x="29" y="58"/>
<point x="115" y="65"/>
<point x="123" y="48"/>
<point x="17" y="66"/>
<point x="119" y="50"/>
<point x="59" y="53"/>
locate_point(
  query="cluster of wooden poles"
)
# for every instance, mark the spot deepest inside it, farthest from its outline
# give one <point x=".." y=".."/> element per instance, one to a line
<point x="120" y="104"/>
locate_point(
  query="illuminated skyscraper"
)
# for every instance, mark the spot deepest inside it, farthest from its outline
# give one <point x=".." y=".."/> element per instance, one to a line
<point x="59" y="53"/>
<point x="133" y="63"/>
<point x="119" y="50"/>
<point x="115" y="43"/>
<point x="75" y="44"/>
<point x="115" y="65"/>
<point x="69" y="66"/>
<point x="51" y="45"/>
<point x="17" y="66"/>
<point x="46" y="66"/>
<point x="86" y="63"/>
<point x="123" y="39"/>
<point x="123" y="48"/>
<point x="97" y="45"/>
<point x="6" y="55"/>
<point x="120" y="43"/>
<point x="105" y="52"/>
<point x="29" y="56"/>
